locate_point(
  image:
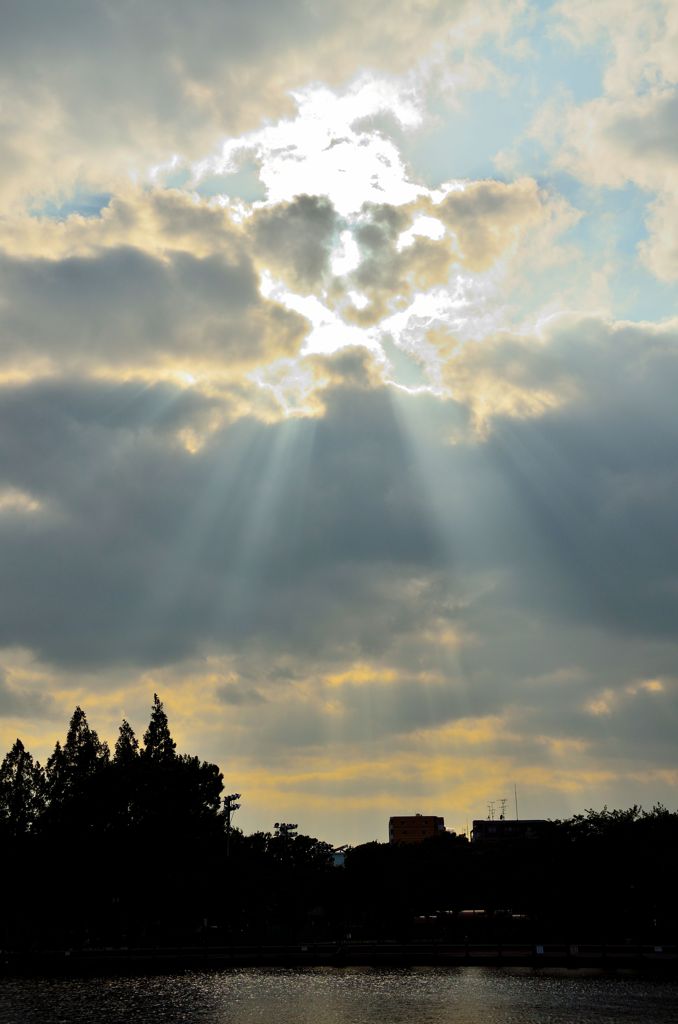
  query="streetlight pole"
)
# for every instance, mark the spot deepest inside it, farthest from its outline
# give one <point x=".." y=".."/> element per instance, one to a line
<point x="230" y="807"/>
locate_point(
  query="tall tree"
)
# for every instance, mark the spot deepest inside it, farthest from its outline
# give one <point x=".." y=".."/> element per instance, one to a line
<point x="126" y="746"/>
<point x="76" y="774"/>
<point x="158" y="743"/>
<point x="56" y="775"/>
<point x="22" y="791"/>
<point x="198" y="786"/>
<point x="124" y="778"/>
<point x="84" y="752"/>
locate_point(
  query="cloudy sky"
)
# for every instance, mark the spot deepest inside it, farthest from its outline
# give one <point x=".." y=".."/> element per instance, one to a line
<point x="338" y="377"/>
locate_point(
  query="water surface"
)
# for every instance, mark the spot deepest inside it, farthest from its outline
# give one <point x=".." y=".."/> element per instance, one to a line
<point x="463" y="995"/>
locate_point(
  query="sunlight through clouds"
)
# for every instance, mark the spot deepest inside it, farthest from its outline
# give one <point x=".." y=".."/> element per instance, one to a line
<point x="338" y="363"/>
<point x="325" y="143"/>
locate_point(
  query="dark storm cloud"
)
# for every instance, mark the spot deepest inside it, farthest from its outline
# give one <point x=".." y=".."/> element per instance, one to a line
<point x="558" y="553"/>
<point x="141" y="550"/>
<point x="572" y="681"/>
<point x="590" y="485"/>
<point x="389" y="276"/>
<point x="234" y="694"/>
<point x="372" y="712"/>
<point x="544" y="548"/>
<point x="639" y="726"/>
<point x="22" y="702"/>
<point x="124" y="306"/>
<point x="294" y="239"/>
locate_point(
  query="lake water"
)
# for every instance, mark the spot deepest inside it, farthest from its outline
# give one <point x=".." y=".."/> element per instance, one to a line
<point x="464" y="995"/>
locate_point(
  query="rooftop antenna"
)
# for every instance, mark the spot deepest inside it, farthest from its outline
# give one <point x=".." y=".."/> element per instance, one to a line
<point x="503" y="803"/>
<point x="490" y="810"/>
<point x="515" y="796"/>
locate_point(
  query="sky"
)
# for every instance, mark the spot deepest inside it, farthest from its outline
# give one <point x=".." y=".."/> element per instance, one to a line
<point x="338" y="376"/>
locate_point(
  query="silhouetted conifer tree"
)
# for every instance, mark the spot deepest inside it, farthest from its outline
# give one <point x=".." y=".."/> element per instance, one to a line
<point x="84" y="753"/>
<point x="126" y="746"/>
<point x="123" y="782"/>
<point x="22" y="791"/>
<point x="158" y="743"/>
<point x="75" y="782"/>
<point x="55" y="775"/>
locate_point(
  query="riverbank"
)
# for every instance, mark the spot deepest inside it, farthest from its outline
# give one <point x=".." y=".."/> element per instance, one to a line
<point x="154" y="960"/>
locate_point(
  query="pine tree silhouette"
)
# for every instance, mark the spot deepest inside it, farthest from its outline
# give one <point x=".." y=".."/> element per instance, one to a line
<point x="22" y="791"/>
<point x="158" y="743"/>
<point x="126" y="746"/>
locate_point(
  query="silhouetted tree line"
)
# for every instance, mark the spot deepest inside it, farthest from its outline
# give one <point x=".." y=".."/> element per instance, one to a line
<point x="602" y="876"/>
<point x="133" y="848"/>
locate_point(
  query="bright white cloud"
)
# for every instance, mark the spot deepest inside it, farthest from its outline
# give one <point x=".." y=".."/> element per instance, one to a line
<point x="324" y="143"/>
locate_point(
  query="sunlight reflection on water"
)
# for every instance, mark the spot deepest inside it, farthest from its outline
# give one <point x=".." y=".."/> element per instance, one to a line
<point x="350" y="996"/>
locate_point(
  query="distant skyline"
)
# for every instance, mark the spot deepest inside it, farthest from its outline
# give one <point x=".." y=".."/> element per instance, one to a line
<point x="338" y="377"/>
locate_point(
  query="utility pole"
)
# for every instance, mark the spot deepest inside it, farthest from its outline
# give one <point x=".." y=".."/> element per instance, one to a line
<point x="230" y="807"/>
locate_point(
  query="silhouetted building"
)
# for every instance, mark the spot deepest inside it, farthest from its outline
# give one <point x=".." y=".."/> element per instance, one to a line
<point x="413" y="828"/>
<point x="493" y="829"/>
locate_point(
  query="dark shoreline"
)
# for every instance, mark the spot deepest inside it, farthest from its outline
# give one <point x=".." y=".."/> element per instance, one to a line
<point x="153" y="960"/>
